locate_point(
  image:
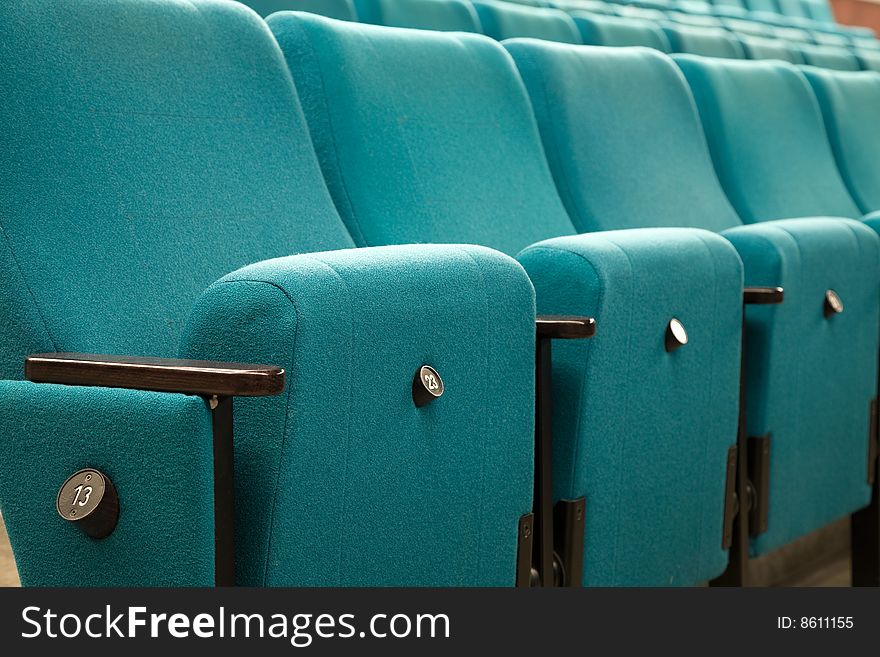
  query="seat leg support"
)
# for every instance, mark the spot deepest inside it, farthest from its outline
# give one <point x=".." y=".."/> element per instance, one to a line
<point x="737" y="570"/>
<point x="224" y="492"/>
<point x="542" y="552"/>
<point x="865" y="524"/>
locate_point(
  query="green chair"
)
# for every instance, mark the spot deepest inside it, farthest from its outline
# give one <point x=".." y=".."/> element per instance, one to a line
<point x="643" y="424"/>
<point x="840" y="59"/>
<point x="756" y="47"/>
<point x="340" y="9"/>
<point x="850" y="104"/>
<point x="707" y="41"/>
<point x="616" y="31"/>
<point x="446" y="15"/>
<point x="619" y="163"/>
<point x="155" y="193"/>
<point x="503" y="20"/>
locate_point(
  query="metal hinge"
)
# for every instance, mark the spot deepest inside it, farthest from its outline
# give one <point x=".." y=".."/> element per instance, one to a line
<point x="524" y="538"/>
<point x="569" y="518"/>
<point x="759" y="483"/>
<point x="731" y="501"/>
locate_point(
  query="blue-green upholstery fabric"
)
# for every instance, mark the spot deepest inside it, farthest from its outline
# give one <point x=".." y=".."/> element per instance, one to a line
<point x="794" y="35"/>
<point x="592" y="6"/>
<point x="756" y="47"/>
<point x="832" y="57"/>
<point x="641" y="13"/>
<point x="618" y="162"/>
<point x="139" y="171"/>
<point x="850" y="105"/>
<point x="869" y="58"/>
<point x="706" y="41"/>
<point x="793" y="8"/>
<point x="767" y="138"/>
<point x="617" y="31"/>
<point x="651" y="468"/>
<point x="817" y="432"/>
<point x="694" y="19"/>
<point x="447" y="15"/>
<point x="154" y="447"/>
<point x="819" y="10"/>
<point x="830" y="39"/>
<point x="340" y="9"/>
<point x="360" y="486"/>
<point x="437" y="184"/>
<point x="409" y="162"/>
<point x="504" y="20"/>
<point x="740" y="26"/>
<point x="651" y="149"/>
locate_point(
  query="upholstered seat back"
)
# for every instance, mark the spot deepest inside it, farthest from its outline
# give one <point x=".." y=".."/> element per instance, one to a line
<point x="627" y="149"/>
<point x="600" y="30"/>
<point x="503" y="20"/>
<point x="850" y="105"/>
<point x="340" y="9"/>
<point x="445" y="15"/>
<point x="130" y="183"/>
<point x="767" y="139"/>
<point x="410" y="159"/>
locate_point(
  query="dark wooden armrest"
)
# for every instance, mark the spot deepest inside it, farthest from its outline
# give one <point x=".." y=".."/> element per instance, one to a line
<point x="565" y="327"/>
<point x="194" y="377"/>
<point x="763" y="296"/>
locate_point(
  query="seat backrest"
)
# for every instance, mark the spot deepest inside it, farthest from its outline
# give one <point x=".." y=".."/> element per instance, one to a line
<point x="618" y="161"/>
<point x="830" y="38"/>
<point x="139" y="174"/>
<point x="340" y="9"/>
<point x="832" y="57"/>
<point x="736" y="4"/>
<point x="767" y="139"/>
<point x="706" y="41"/>
<point x="819" y="10"/>
<point x="700" y="20"/>
<point x="756" y="47"/>
<point x="599" y="30"/>
<point x="592" y="6"/>
<point x="741" y="26"/>
<point x="431" y="137"/>
<point x="504" y="20"/>
<point x="869" y="59"/>
<point x="793" y="8"/>
<point x="434" y="140"/>
<point x="850" y="105"/>
<point x="447" y="15"/>
<point x="794" y="35"/>
<point x="767" y="6"/>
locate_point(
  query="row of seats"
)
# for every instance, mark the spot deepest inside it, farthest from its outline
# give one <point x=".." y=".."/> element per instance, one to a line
<point x="171" y="155"/>
<point x="593" y="22"/>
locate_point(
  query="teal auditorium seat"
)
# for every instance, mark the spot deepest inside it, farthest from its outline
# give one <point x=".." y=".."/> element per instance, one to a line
<point x="832" y="57"/>
<point x="767" y="139"/>
<point x="592" y="6"/>
<point x="869" y="59"/>
<point x="745" y="27"/>
<point x="503" y="20"/>
<point x="447" y="15"/>
<point x="819" y="10"/>
<point x="756" y="47"/>
<point x="341" y="9"/>
<point x="850" y="104"/>
<point x="144" y="170"/>
<point x="619" y="163"/>
<point x="711" y="42"/>
<point x="641" y="432"/>
<point x="600" y="30"/>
